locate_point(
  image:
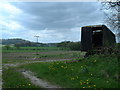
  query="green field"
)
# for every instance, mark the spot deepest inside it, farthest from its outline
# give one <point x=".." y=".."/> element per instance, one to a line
<point x="14" y="55"/>
<point x="32" y="49"/>
<point x="97" y="71"/>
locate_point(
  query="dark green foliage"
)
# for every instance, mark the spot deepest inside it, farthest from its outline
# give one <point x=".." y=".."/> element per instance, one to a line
<point x="63" y="44"/>
<point x="17" y="46"/>
<point x="70" y="45"/>
<point x="118" y="46"/>
<point x="7" y="47"/>
<point x="74" y="46"/>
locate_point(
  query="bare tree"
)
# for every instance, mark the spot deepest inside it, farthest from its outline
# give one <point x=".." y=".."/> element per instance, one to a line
<point x="111" y="10"/>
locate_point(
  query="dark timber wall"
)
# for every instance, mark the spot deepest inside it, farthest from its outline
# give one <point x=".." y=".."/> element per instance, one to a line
<point x="108" y="37"/>
<point x="98" y="36"/>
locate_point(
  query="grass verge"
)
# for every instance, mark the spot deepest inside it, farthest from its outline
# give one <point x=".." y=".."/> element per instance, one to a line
<point x="93" y="72"/>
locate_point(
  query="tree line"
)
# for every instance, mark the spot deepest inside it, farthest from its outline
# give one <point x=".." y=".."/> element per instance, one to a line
<point x="70" y="45"/>
<point x="63" y="45"/>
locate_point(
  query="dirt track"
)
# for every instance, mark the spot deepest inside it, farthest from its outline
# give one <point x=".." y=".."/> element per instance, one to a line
<point x="18" y="64"/>
<point x="37" y="81"/>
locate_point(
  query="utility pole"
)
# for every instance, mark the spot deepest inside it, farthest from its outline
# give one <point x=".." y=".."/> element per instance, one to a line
<point x="37" y="44"/>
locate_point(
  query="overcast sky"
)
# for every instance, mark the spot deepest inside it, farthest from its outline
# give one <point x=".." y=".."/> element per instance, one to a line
<point x="52" y="21"/>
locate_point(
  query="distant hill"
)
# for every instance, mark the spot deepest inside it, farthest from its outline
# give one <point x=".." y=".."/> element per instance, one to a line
<point x="23" y="42"/>
<point x="12" y="41"/>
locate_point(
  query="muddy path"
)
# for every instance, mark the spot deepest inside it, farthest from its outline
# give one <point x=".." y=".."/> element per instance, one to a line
<point x="37" y="81"/>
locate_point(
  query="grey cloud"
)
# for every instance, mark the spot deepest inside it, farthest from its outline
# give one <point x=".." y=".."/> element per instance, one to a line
<point x="57" y="16"/>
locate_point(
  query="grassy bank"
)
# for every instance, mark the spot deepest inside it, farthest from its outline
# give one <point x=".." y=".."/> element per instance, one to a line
<point x="92" y="72"/>
<point x="14" y="79"/>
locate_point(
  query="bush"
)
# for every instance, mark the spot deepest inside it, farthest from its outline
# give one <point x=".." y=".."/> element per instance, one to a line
<point x="70" y="45"/>
<point x="17" y="46"/>
<point x="7" y="47"/>
<point x="74" y="46"/>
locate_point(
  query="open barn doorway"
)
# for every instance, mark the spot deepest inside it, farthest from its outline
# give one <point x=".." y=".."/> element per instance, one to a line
<point x="97" y="37"/>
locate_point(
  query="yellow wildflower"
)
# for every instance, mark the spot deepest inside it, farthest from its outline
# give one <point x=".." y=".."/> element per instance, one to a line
<point x="94" y="85"/>
<point x="81" y="83"/>
<point x="72" y="78"/>
<point x="94" y="60"/>
<point x="89" y="86"/>
<point x="62" y="66"/>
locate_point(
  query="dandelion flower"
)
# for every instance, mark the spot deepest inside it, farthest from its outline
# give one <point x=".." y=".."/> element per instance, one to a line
<point x="62" y="66"/>
<point x="89" y="86"/>
<point x="94" y="85"/>
<point x="81" y="83"/>
<point x="72" y="78"/>
<point x="84" y="82"/>
<point x="94" y="60"/>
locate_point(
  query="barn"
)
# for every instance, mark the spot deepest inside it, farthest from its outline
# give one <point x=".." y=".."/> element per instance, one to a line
<point x="96" y="37"/>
